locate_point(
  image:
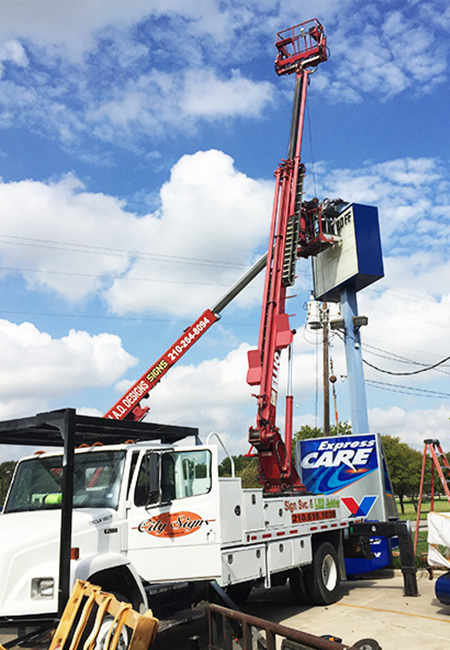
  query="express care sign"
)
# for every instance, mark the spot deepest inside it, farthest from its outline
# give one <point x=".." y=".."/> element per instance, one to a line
<point x="330" y="464"/>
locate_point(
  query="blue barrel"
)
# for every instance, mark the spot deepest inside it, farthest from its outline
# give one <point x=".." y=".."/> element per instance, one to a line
<point x="442" y="588"/>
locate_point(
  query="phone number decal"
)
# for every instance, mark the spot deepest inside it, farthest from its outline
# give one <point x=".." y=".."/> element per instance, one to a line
<point x="190" y="335"/>
<point x="302" y="517"/>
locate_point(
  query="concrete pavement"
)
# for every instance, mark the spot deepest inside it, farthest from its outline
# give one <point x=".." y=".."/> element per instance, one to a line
<point x="374" y="607"/>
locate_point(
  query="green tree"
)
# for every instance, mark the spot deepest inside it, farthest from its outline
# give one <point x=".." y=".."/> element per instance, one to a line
<point x="344" y="429"/>
<point x="305" y="432"/>
<point x="245" y="466"/>
<point x="404" y="465"/>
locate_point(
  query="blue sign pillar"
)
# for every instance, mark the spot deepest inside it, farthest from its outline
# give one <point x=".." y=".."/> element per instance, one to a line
<point x="339" y="272"/>
<point x="355" y="371"/>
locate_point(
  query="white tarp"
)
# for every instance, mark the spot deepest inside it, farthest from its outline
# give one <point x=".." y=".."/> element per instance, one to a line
<point x="439" y="539"/>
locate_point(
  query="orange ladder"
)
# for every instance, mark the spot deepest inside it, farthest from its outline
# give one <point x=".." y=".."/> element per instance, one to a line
<point x="440" y="464"/>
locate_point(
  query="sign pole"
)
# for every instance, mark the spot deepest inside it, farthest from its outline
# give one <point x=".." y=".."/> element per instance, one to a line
<point x="355" y="372"/>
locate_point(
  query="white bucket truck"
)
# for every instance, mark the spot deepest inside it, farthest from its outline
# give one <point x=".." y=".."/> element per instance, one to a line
<point x="149" y="518"/>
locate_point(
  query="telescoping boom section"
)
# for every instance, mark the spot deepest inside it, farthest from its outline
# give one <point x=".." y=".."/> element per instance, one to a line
<point x="128" y="407"/>
<point x="300" y="50"/>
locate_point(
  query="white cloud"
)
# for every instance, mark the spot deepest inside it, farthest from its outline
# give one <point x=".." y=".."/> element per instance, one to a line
<point x="125" y="73"/>
<point x="209" y="211"/>
<point x="38" y="369"/>
<point x="48" y="234"/>
<point x="412" y="426"/>
<point x="91" y="72"/>
<point x="159" y="100"/>
<point x="177" y="260"/>
<point x="12" y="52"/>
<point x="68" y="28"/>
<point x="213" y="396"/>
<point x="207" y="96"/>
<point x="411" y="195"/>
<point x="384" y="53"/>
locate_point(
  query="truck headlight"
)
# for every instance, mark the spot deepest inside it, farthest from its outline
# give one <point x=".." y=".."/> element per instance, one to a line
<point x="42" y="588"/>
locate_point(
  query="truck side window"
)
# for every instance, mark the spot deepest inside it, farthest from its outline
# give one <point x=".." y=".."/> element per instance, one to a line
<point x="142" y="493"/>
<point x="191" y="473"/>
<point x="182" y="474"/>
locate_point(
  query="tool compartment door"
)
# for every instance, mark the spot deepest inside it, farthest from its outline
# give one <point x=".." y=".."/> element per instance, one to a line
<point x="174" y="532"/>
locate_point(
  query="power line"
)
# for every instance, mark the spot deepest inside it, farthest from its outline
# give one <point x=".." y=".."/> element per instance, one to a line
<point x="408" y="390"/>
<point x="392" y="356"/>
<point x="421" y="320"/>
<point x="380" y="289"/>
<point x="413" y="372"/>
<point x="114" y="252"/>
<point x="391" y="372"/>
<point x="404" y="374"/>
<point x="114" y="277"/>
<point x="123" y="318"/>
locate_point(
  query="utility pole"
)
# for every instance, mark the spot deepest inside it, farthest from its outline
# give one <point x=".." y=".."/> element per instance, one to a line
<point x="333" y="380"/>
<point x="318" y="318"/>
<point x="326" y="374"/>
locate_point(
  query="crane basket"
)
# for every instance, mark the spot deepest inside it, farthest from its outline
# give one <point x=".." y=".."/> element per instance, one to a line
<point x="301" y="46"/>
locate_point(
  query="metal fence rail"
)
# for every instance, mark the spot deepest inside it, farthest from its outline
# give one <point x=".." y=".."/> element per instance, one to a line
<point x="231" y="630"/>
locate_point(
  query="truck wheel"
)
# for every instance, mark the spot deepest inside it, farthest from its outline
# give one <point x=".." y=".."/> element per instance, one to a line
<point x="124" y="637"/>
<point x="322" y="576"/>
<point x="297" y="585"/>
<point x="367" y="644"/>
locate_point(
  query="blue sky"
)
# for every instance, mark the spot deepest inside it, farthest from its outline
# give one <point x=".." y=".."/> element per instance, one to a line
<point x="138" y="142"/>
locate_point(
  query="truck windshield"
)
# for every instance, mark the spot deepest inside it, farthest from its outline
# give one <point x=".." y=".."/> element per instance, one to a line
<point x="97" y="479"/>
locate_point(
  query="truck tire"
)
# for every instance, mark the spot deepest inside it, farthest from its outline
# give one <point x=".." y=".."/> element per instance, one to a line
<point x="108" y="620"/>
<point x="323" y="581"/>
<point x="367" y="644"/>
<point x="124" y="637"/>
<point x="297" y="585"/>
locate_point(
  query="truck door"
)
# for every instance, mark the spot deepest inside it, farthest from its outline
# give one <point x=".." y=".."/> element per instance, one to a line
<point x="173" y="516"/>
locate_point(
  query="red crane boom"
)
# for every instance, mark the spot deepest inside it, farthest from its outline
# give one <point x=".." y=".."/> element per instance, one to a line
<point x="296" y="231"/>
<point x="300" y="49"/>
<point x="128" y="407"/>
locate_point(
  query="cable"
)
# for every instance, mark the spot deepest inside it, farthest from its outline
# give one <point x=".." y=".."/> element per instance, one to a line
<point x="116" y="277"/>
<point x="408" y="390"/>
<point x="390" y="372"/>
<point x="124" y="318"/>
<point x="383" y="288"/>
<point x="392" y="356"/>
<point x="115" y="252"/>
<point x="404" y="374"/>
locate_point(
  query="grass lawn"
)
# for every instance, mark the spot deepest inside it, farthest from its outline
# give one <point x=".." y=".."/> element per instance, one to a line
<point x="440" y="505"/>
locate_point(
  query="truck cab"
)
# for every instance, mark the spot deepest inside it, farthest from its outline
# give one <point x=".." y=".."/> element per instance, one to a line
<point x="135" y="509"/>
<point x="105" y="502"/>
